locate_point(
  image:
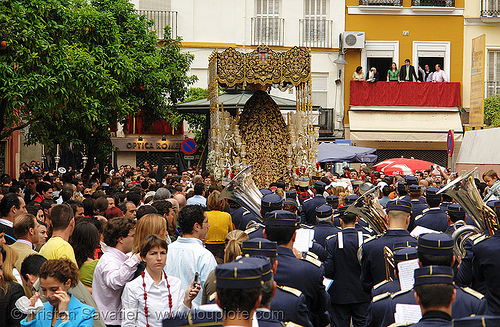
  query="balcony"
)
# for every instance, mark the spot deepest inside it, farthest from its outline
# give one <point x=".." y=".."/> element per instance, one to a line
<point x="433" y="3"/>
<point x="161" y="19"/>
<point x="490" y="8"/>
<point x="395" y="3"/>
<point x="492" y="88"/>
<point x="315" y="33"/>
<point x="407" y="94"/>
<point x="268" y="31"/>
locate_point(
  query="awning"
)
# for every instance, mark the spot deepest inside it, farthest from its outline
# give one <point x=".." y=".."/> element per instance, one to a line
<point x="232" y="100"/>
<point x="480" y="147"/>
<point x="397" y="125"/>
<point x="332" y="152"/>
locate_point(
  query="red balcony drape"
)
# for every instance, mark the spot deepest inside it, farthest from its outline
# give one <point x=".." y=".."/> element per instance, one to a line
<point x="405" y="94"/>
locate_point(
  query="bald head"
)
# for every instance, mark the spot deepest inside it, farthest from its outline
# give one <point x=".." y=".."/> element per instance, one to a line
<point x="181" y="200"/>
<point x="175" y="204"/>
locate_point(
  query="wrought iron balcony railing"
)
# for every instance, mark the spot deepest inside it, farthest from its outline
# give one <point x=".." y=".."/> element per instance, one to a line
<point x="268" y="31"/>
<point x="395" y="3"/>
<point x="490" y="8"/>
<point x="315" y="33"/>
<point x="161" y="19"/>
<point x="433" y="3"/>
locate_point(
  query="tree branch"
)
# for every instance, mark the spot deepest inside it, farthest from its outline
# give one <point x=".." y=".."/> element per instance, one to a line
<point x="8" y="131"/>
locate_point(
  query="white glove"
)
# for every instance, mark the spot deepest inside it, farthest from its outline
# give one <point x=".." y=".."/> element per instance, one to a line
<point x="24" y="305"/>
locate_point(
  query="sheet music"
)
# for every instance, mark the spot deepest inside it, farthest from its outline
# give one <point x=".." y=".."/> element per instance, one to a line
<point x="327" y="282"/>
<point x="407" y="313"/>
<point x="417" y="231"/>
<point x="405" y="273"/>
<point x="303" y="241"/>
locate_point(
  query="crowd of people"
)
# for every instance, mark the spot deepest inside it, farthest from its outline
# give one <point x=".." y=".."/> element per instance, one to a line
<point x="406" y="73"/>
<point x="137" y="248"/>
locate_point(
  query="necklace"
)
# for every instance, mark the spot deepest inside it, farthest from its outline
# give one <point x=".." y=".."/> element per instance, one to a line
<point x="146" y="313"/>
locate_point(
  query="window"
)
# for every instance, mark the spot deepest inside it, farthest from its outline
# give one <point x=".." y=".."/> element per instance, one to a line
<point x="493" y="78"/>
<point x="267" y="26"/>
<point x="315" y="29"/>
<point x="490" y="8"/>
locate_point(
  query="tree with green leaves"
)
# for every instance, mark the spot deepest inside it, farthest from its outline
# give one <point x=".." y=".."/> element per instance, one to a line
<point x="492" y="111"/>
<point x="71" y="69"/>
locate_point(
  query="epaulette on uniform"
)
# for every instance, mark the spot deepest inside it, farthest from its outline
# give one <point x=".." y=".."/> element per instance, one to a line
<point x="367" y="229"/>
<point x="330" y="236"/>
<point x="292" y="324"/>
<point x="212" y="296"/>
<point x="418" y="217"/>
<point x="381" y="296"/>
<point x="306" y="226"/>
<point x="246" y="213"/>
<point x="480" y="239"/>
<point x="399" y="293"/>
<point x="306" y="200"/>
<point x="380" y="284"/>
<point x="400" y="324"/>
<point x="472" y="292"/>
<point x="312" y="254"/>
<point x="291" y="290"/>
<point x="310" y="259"/>
<point x="425" y="210"/>
<point x="370" y="239"/>
<point x="251" y="229"/>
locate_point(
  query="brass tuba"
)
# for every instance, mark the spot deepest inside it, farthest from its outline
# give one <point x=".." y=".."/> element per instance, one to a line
<point x="464" y="191"/>
<point x="369" y="209"/>
<point x="242" y="190"/>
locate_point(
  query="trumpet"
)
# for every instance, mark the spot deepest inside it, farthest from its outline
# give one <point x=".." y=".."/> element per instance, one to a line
<point x="369" y="209"/>
<point x="464" y="191"/>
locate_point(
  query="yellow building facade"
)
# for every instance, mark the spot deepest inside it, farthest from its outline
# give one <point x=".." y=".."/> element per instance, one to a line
<point x="482" y="17"/>
<point x="428" y="32"/>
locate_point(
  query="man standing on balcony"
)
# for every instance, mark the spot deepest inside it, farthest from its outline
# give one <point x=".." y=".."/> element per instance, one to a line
<point x="407" y="73"/>
<point x="439" y="75"/>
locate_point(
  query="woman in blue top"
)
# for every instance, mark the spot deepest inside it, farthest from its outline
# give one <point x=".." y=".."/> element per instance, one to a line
<point x="61" y="309"/>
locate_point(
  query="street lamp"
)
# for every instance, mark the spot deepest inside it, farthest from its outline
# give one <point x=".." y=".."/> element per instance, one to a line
<point x="340" y="62"/>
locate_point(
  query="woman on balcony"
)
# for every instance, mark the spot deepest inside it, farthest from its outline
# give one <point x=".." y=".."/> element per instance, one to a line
<point x="393" y="73"/>
<point x="358" y="75"/>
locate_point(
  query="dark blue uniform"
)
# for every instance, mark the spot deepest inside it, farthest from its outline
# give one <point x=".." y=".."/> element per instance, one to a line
<point x="467" y="302"/>
<point x="372" y="256"/>
<point x="416" y="210"/>
<point x="241" y="217"/>
<point x="289" y="304"/>
<point x="434" y="319"/>
<point x="319" y="250"/>
<point x="377" y="309"/>
<point x="304" y="275"/>
<point x="391" y="286"/>
<point x="308" y="213"/>
<point x="465" y="276"/>
<point x="267" y="318"/>
<point x="347" y="296"/>
<point x="255" y="231"/>
<point x="434" y="219"/>
<point x="322" y="230"/>
<point x="486" y="268"/>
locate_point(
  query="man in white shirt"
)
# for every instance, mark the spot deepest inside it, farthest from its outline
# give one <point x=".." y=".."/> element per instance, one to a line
<point x="11" y="206"/>
<point x="115" y="268"/>
<point x="439" y="75"/>
<point x="187" y="256"/>
<point x="198" y="198"/>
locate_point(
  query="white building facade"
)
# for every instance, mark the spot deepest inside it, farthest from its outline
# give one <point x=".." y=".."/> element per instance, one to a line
<point x="206" y="25"/>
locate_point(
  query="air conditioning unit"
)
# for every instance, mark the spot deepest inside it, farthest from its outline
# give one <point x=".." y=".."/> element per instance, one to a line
<point x="353" y="40"/>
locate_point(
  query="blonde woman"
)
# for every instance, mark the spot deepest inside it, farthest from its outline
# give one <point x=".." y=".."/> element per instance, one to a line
<point x="148" y="225"/>
<point x="233" y="242"/>
<point x="220" y="224"/>
<point x="10" y="290"/>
